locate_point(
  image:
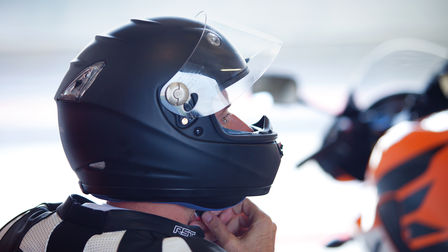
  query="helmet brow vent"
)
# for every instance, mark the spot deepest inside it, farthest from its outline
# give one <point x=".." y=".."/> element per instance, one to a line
<point x="144" y="22"/>
<point x="76" y="89"/>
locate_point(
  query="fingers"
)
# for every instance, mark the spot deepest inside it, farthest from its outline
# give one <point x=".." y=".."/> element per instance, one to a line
<point x="235" y="220"/>
<point x="218" y="229"/>
<point x="207" y="235"/>
<point x="242" y="228"/>
<point x="238" y="224"/>
<point x="251" y="210"/>
<point x="227" y="215"/>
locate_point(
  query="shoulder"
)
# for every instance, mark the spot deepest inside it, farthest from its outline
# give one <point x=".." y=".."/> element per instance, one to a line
<point x="13" y="233"/>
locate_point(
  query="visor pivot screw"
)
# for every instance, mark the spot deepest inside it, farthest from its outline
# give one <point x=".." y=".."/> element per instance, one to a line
<point x="198" y="131"/>
<point x="177" y="93"/>
<point x="184" y="121"/>
<point x="213" y="39"/>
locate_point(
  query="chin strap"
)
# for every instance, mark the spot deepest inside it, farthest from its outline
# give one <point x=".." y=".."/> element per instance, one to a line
<point x="197" y="208"/>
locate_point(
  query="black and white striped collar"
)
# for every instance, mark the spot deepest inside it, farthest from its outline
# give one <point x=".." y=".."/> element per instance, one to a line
<point x="117" y="219"/>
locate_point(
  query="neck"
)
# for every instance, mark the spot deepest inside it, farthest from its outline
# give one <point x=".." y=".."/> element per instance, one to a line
<point x="174" y="212"/>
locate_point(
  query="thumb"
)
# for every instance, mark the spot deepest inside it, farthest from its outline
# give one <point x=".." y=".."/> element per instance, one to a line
<point x="218" y="229"/>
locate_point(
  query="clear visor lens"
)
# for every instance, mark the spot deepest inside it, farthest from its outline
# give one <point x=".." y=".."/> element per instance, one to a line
<point x="397" y="66"/>
<point x="225" y="63"/>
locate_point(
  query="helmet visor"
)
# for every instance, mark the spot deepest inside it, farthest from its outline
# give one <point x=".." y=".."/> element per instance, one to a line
<point x="395" y="67"/>
<point x="218" y="71"/>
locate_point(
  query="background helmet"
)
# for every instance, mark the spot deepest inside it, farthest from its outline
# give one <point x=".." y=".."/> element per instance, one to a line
<point x="408" y="167"/>
<point x="397" y="82"/>
<point x="136" y="115"/>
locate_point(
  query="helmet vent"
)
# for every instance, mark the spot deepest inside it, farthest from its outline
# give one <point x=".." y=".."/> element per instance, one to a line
<point x="76" y="89"/>
<point x="98" y="165"/>
<point x="144" y="22"/>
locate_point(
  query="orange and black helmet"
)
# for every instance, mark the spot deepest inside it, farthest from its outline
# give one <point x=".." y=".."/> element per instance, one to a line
<point x="409" y="167"/>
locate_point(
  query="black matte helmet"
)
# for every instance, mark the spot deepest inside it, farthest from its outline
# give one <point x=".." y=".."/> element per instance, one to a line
<point x="136" y="115"/>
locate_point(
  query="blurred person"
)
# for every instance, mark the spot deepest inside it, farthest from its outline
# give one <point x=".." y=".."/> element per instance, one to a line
<point x="393" y="134"/>
<point x="144" y="122"/>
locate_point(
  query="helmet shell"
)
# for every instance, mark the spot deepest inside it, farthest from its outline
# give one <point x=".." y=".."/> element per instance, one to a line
<point x="408" y="166"/>
<point x="125" y="145"/>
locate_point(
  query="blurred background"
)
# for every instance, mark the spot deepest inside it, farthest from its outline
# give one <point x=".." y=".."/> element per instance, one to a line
<point x="325" y="41"/>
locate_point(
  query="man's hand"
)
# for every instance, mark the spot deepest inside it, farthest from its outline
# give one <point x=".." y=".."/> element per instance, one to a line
<point x="243" y="227"/>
